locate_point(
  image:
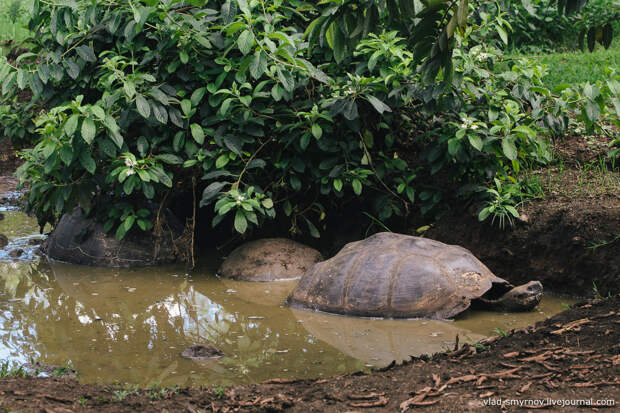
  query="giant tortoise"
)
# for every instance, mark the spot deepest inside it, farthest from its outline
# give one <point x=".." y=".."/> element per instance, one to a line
<point x="78" y="239"/>
<point x="401" y="276"/>
<point x="269" y="259"/>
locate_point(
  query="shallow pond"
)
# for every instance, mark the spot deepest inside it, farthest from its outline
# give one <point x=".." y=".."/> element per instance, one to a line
<point x="130" y="325"/>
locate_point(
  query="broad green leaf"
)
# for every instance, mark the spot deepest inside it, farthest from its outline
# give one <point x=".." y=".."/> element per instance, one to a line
<point x="197" y="133"/>
<point x="66" y="154"/>
<point x="71" y="125"/>
<point x="314" y="232"/>
<point x="592" y="111"/>
<point x="286" y="78"/>
<point x="143" y="106"/>
<point x="454" y="145"/>
<point x="243" y="6"/>
<point x="509" y="148"/>
<point x="233" y="143"/>
<point x="129" y="185"/>
<point x="241" y="224"/>
<point x="128" y="223"/>
<point x="130" y="89"/>
<point x="143" y="146"/>
<point x="98" y="112"/>
<point x="228" y="11"/>
<point x="87" y="162"/>
<point x="186" y="106"/>
<point x="339" y="45"/>
<point x="357" y="187"/>
<point x="144" y="224"/>
<point x="183" y="56"/>
<point x="317" y="132"/>
<point x="211" y="192"/>
<point x="86" y="53"/>
<point x="525" y="130"/>
<point x="475" y="141"/>
<point x="338" y="184"/>
<point x="120" y="232"/>
<point x="178" y="142"/>
<point x="258" y="64"/>
<point x="378" y="104"/>
<point x="160" y="112"/>
<point x="222" y="161"/>
<point x="267" y="203"/>
<point x="170" y="159"/>
<point x="89" y="130"/>
<point x="502" y="34"/>
<point x="197" y="96"/>
<point x="512" y="210"/>
<point x="484" y="214"/>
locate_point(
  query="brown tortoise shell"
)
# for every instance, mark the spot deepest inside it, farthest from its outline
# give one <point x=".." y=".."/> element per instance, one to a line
<point x="397" y="276"/>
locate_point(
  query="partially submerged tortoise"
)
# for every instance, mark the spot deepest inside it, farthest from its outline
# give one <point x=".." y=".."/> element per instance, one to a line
<point x="269" y="259"/>
<point x="401" y="276"/>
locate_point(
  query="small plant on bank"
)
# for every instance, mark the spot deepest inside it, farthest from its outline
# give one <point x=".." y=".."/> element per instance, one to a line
<point x="500" y="206"/>
<point x="500" y="332"/>
<point x="158" y="393"/>
<point x="219" y="391"/>
<point x="122" y="394"/>
<point x="8" y="370"/>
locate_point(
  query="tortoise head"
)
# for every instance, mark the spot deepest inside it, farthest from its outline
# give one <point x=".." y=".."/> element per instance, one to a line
<point x="522" y="298"/>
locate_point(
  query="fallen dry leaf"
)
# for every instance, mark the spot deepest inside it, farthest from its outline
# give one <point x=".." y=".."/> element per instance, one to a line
<point x="577" y="353"/>
<point x="571" y="326"/>
<point x="365" y="396"/>
<point x="416" y="401"/>
<point x="504" y="374"/>
<point x="525" y="387"/>
<point x="468" y="377"/>
<point x="425" y="390"/>
<point x="379" y="403"/>
<point x="511" y="354"/>
<point x="540" y="376"/>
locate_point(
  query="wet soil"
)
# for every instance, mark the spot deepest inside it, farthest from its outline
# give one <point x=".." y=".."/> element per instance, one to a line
<point x="9" y="161"/>
<point x="574" y="355"/>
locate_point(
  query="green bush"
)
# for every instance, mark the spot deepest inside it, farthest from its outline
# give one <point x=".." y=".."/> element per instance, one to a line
<point x="266" y="108"/>
<point x="537" y="25"/>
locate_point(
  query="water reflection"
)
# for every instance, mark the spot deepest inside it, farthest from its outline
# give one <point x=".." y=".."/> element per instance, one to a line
<point x="130" y="325"/>
<point x="378" y="342"/>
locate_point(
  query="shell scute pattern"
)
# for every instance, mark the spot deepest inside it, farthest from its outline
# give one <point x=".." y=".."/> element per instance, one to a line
<point x="394" y="275"/>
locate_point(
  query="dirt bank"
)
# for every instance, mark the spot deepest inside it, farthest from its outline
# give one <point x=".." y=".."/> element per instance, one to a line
<point x="574" y="355"/>
<point x="569" y="238"/>
<point x="8" y="158"/>
<point x="567" y="244"/>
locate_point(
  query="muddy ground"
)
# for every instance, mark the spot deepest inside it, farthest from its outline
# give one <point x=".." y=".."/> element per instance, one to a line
<point x="570" y="240"/>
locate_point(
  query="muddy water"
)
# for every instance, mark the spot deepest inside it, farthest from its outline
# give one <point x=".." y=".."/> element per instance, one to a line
<point x="131" y="325"/>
